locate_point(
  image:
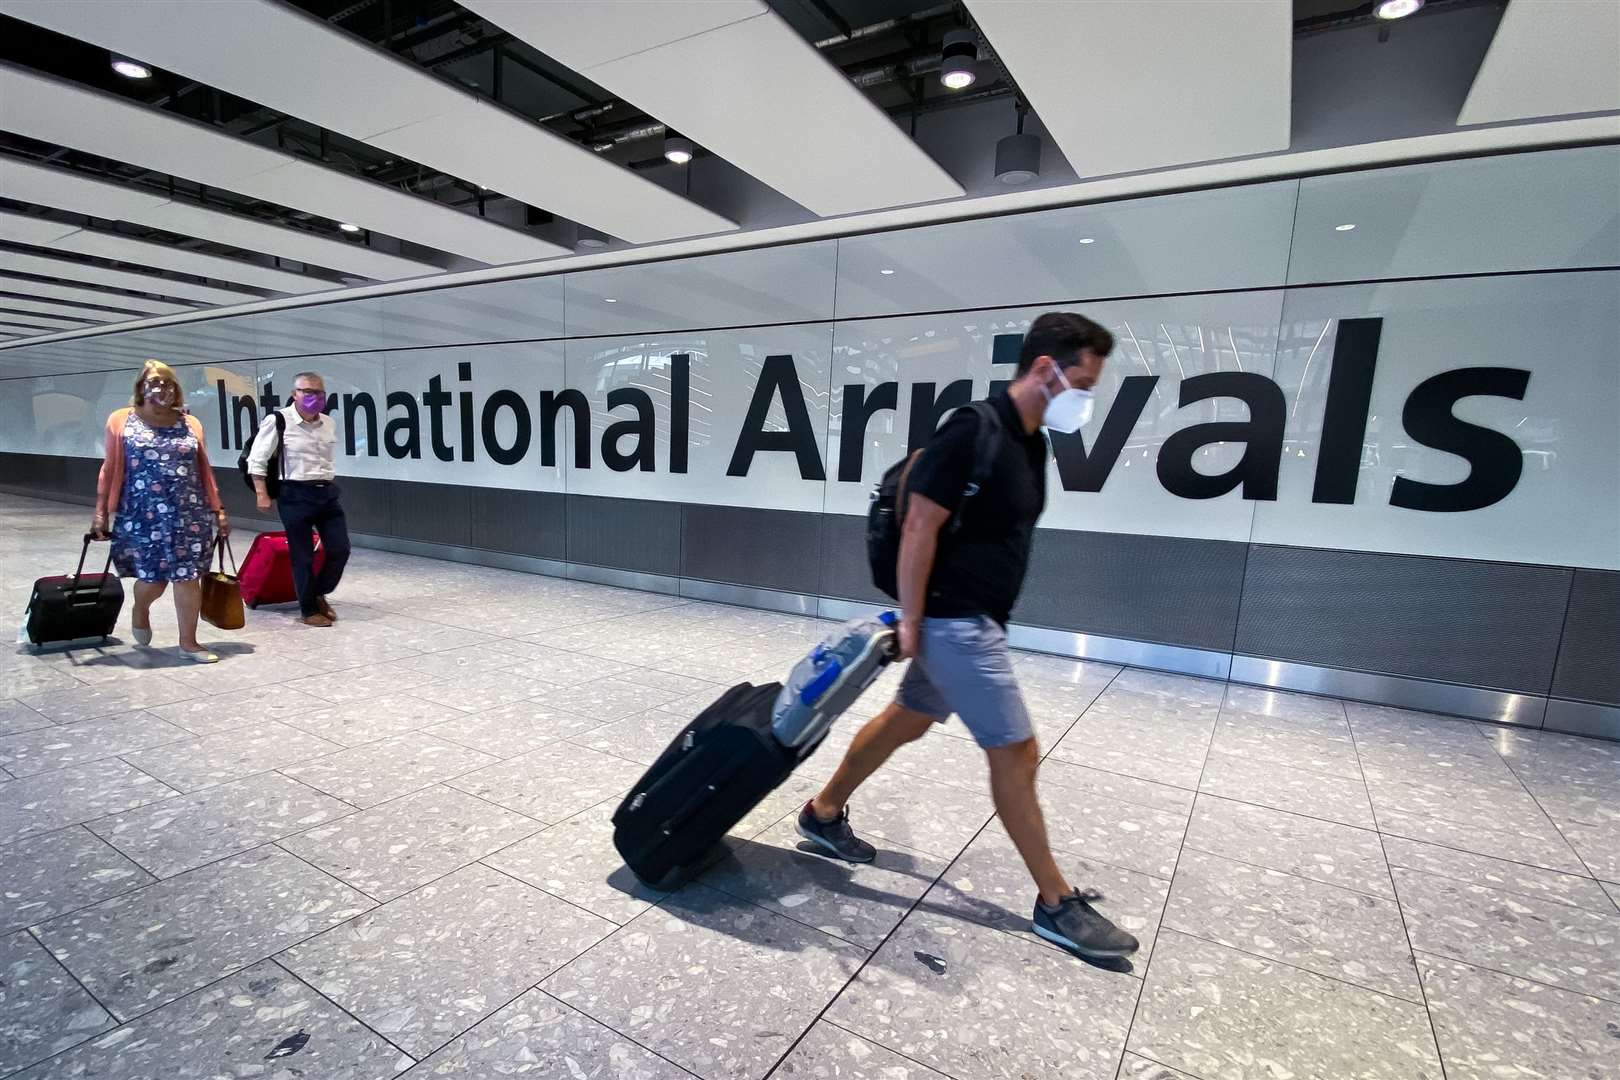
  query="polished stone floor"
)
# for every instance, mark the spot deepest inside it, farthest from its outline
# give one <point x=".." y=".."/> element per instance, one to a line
<point x="384" y="848"/>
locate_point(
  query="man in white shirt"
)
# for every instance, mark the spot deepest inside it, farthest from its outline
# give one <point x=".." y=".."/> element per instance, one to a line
<point x="308" y="498"/>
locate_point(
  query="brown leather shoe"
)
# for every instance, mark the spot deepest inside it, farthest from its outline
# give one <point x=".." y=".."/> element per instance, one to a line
<point x="316" y="619"/>
<point x="326" y="609"/>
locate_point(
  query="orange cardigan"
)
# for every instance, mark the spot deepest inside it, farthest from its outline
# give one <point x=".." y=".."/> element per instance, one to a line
<point x="111" y="484"/>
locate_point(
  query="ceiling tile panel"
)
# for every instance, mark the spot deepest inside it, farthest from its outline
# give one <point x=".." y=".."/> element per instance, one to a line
<point x="61" y="311"/>
<point x="1549" y="58"/>
<point x="50" y="266"/>
<point x="11" y="283"/>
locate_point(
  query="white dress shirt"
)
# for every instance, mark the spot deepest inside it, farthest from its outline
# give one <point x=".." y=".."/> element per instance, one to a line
<point x="311" y="447"/>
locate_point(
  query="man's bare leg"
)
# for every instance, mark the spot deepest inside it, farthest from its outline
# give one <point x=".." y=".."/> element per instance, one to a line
<point x="882" y="735"/>
<point x="1012" y="786"/>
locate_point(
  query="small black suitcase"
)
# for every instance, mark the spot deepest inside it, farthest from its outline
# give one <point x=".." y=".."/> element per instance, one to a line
<point x="717" y="770"/>
<point x="70" y="607"/>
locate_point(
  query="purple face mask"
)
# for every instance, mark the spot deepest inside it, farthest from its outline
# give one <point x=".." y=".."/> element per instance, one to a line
<point x="311" y="400"/>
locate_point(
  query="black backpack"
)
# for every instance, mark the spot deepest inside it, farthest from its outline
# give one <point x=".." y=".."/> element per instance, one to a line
<point x="886" y="512"/>
<point x="272" y="469"/>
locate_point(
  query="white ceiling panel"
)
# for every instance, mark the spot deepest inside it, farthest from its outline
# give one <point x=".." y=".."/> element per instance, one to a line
<point x="736" y="84"/>
<point x="48" y="266"/>
<point x="63" y="113"/>
<point x="367" y="94"/>
<point x="10" y="283"/>
<point x="1124" y="86"/>
<point x="25" y="229"/>
<point x="15" y="324"/>
<point x="44" y="185"/>
<point x="61" y="311"/>
<point x="585" y="34"/>
<point x="1548" y="58"/>
<point x="34" y="318"/>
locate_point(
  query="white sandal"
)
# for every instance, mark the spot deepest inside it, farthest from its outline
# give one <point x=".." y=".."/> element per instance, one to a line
<point x="142" y="636"/>
<point x="200" y="656"/>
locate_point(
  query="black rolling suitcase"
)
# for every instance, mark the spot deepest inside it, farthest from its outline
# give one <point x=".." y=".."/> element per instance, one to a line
<point x="70" y="607"/>
<point x="738" y="751"/>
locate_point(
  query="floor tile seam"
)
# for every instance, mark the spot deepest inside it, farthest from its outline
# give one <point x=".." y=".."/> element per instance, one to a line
<point x="1387" y="899"/>
<point x="1279" y="810"/>
<point x="723" y="891"/>
<point x="375" y="902"/>
<point x="437" y="780"/>
<point x="1362" y="779"/>
<point x="1550" y="819"/>
<point x="544" y="825"/>
<point x="104" y="757"/>
<point x="1401" y="834"/>
<point x="538" y="988"/>
<point x="1292" y="966"/>
<point x="867" y="1038"/>
<point x="1054" y="755"/>
<point x="313" y="989"/>
<point x="110" y="1016"/>
<point x="598" y="916"/>
<point x="1510" y="891"/>
<point x="1406" y="929"/>
<point x="856" y="974"/>
<point x="1111" y="864"/>
<point x="1604" y="998"/>
<point x="94" y="903"/>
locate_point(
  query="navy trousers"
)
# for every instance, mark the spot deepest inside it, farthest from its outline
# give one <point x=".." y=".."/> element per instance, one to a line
<point x="314" y="505"/>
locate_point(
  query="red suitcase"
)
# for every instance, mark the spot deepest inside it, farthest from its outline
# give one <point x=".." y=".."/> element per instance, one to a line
<point x="266" y="573"/>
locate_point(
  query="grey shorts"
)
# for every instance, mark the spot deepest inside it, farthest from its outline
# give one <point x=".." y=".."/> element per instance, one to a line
<point x="963" y="667"/>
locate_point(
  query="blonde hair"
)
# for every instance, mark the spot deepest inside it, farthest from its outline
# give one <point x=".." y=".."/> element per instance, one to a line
<point x="157" y="369"/>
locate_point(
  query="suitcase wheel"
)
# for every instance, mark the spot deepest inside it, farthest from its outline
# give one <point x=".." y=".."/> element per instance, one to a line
<point x="671" y="880"/>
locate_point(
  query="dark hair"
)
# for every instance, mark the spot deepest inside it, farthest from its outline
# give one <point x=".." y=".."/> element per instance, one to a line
<point x="1062" y="335"/>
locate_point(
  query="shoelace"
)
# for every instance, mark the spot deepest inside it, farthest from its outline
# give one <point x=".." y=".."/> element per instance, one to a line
<point x="1089" y="896"/>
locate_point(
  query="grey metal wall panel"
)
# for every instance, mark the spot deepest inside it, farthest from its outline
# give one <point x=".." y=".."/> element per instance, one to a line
<point x="522" y="522"/>
<point x="740" y="545"/>
<point x="845" y="572"/>
<point x="625" y="534"/>
<point x="368" y="503"/>
<point x="1147" y="588"/>
<point x="66" y="479"/>
<point x="1452" y="620"/>
<point x="1589" y="654"/>
<point x="431" y="513"/>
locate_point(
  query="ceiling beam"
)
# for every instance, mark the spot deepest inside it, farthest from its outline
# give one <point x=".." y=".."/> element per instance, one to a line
<point x="10" y="283"/>
<point x="67" y="269"/>
<point x="66" y="311"/>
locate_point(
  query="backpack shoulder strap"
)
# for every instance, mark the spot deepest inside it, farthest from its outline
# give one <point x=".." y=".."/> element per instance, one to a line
<point x="986" y="441"/>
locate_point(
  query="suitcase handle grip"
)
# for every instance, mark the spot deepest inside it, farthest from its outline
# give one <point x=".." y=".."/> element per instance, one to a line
<point x="78" y="571"/>
<point x="695" y="803"/>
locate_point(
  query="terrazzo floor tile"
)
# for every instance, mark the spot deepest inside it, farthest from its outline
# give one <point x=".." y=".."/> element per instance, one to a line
<point x="1550" y="942"/>
<point x="363" y="683"/>
<point x="230" y="755"/>
<point x="462" y="660"/>
<point x="477" y="691"/>
<point x="640" y="738"/>
<point x="1510" y="877"/>
<point x="69" y="796"/>
<point x="510" y="730"/>
<point x="989" y="884"/>
<point x="1211" y="1011"/>
<point x="1492" y="1025"/>
<point x="1461" y="803"/>
<point x="858" y="903"/>
<point x="31" y="682"/>
<point x="1307" y="847"/>
<point x="1136" y="1067"/>
<point x="366" y="775"/>
<point x="1597" y="845"/>
<point x="1334" y="932"/>
<point x="142" y="950"/>
<point x="422" y="969"/>
<point x="1173" y="763"/>
<point x="1307" y="750"/>
<point x="1056" y="773"/>
<point x="52" y="873"/>
<point x="1613" y="890"/>
<point x="237" y="709"/>
<point x="357" y="723"/>
<point x="736" y="984"/>
<point x="928" y="817"/>
<point x="390" y="849"/>
<point x="558" y="668"/>
<point x="575" y="860"/>
<point x="260" y="1022"/>
<point x="828" y="1052"/>
<point x="16" y="717"/>
<point x="1481" y="837"/>
<point x="1118" y="833"/>
<point x="606" y="699"/>
<point x="43" y="1011"/>
<point x="34" y="752"/>
<point x="88" y="702"/>
<point x="1281" y="787"/>
<point x="977" y="1004"/>
<point x="1322" y="715"/>
<point x="554" y="782"/>
<point x="1180" y="689"/>
<point x="180" y="834"/>
<point x="537" y="1036"/>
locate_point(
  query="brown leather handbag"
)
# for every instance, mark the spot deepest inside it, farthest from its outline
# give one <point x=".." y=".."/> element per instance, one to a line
<point x="221" y="593"/>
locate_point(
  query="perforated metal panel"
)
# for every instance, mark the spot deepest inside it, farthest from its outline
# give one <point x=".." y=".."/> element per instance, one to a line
<point x="430" y="513"/>
<point x="1453" y="620"/>
<point x="845" y="573"/>
<point x="739" y="545"/>
<point x="1589" y="653"/>
<point x="1147" y="588"/>
<point x="626" y="534"/>
<point x="521" y="522"/>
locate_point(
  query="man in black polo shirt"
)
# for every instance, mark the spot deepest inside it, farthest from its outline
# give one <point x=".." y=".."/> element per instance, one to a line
<point x="957" y="590"/>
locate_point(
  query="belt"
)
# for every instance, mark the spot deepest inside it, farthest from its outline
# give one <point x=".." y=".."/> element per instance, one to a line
<point x="309" y="483"/>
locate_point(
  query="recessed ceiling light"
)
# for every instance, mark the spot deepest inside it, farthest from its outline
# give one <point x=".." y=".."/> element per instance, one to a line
<point x="885" y="271"/>
<point x="1397" y="9"/>
<point x="590" y="238"/>
<point x="957" y="60"/>
<point x="677" y="150"/>
<point x="349" y="226"/>
<point x="609" y="300"/>
<point x="1346" y="227"/>
<point x="131" y="69"/>
<point x="1088" y="240"/>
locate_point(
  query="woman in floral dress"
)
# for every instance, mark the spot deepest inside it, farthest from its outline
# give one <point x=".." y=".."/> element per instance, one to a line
<point x="157" y="490"/>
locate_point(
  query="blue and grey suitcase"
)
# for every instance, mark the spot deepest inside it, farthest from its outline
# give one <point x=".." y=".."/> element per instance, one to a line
<point x="739" y="750"/>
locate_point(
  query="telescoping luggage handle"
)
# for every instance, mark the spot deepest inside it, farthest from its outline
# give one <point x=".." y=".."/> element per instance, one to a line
<point x="74" y="590"/>
<point x="828" y="675"/>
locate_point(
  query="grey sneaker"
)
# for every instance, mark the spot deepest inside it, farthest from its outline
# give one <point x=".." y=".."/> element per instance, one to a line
<point x="835" y="837"/>
<point x="1082" y="929"/>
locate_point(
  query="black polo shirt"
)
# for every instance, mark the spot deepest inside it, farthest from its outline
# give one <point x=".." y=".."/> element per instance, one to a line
<point x="979" y="569"/>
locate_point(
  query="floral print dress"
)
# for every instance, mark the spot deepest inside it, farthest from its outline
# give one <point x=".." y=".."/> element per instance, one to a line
<point x="165" y="529"/>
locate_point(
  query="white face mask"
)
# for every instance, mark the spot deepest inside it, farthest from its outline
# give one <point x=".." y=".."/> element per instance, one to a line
<point x="1068" y="410"/>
